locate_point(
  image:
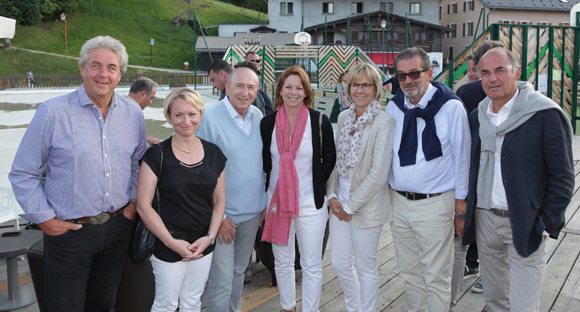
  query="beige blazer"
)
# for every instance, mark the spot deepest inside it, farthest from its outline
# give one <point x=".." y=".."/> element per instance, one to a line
<point x="370" y="199"/>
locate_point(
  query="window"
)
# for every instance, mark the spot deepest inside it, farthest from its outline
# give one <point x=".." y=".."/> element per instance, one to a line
<point x="525" y="23"/>
<point x="328" y="7"/>
<point x="357" y="7"/>
<point x="386" y="6"/>
<point x="452" y="34"/>
<point x="468" y="6"/>
<point x="286" y="8"/>
<point x="450" y="57"/>
<point x="440" y="10"/>
<point x="468" y="29"/>
<point x="415" y="8"/>
<point x="452" y="8"/>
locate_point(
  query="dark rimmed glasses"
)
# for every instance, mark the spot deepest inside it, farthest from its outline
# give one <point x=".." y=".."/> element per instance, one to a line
<point x="413" y="75"/>
<point x="365" y="86"/>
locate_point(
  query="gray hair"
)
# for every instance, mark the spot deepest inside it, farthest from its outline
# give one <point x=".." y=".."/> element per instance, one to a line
<point x="410" y="53"/>
<point x="105" y="42"/>
<point x="143" y="84"/>
<point x="514" y="61"/>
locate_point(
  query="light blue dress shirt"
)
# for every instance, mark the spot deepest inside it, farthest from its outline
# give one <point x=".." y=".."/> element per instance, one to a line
<point x="92" y="164"/>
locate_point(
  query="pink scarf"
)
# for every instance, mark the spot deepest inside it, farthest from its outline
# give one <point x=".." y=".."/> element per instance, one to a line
<point x="284" y="203"/>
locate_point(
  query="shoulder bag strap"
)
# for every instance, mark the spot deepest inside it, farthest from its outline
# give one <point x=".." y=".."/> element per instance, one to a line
<point x="158" y="180"/>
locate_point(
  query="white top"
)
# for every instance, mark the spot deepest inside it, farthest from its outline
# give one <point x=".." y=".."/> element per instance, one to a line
<point x="498" y="196"/>
<point x="303" y="163"/>
<point x="244" y="124"/>
<point x="344" y="184"/>
<point x="442" y="174"/>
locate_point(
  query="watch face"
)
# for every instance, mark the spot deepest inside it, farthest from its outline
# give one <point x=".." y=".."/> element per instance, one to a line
<point x="460" y="216"/>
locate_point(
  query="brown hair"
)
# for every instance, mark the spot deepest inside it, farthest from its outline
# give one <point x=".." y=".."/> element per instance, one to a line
<point x="294" y="70"/>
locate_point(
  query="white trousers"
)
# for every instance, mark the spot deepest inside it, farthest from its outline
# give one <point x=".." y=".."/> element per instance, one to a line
<point x="179" y="284"/>
<point x="309" y="231"/>
<point x="423" y="237"/>
<point x="359" y="280"/>
<point x="510" y="281"/>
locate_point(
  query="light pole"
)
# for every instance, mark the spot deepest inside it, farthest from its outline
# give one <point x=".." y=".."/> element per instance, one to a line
<point x="63" y="18"/>
<point x="383" y="25"/>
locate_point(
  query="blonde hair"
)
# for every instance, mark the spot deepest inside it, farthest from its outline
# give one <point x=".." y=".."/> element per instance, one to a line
<point x="357" y="72"/>
<point x="191" y="96"/>
<point x="298" y="71"/>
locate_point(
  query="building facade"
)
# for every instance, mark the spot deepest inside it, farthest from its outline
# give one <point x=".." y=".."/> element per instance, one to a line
<point x="463" y="17"/>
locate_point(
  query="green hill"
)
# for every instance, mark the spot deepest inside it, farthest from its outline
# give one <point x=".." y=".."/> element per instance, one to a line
<point x="133" y="22"/>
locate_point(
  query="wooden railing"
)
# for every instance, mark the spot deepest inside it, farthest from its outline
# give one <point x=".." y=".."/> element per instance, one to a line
<point x="65" y="81"/>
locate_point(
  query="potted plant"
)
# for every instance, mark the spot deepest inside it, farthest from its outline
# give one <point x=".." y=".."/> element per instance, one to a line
<point x="338" y="42"/>
<point x="363" y="41"/>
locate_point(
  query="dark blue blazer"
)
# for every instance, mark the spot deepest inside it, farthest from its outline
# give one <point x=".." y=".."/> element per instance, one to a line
<point x="538" y="177"/>
<point x="471" y="94"/>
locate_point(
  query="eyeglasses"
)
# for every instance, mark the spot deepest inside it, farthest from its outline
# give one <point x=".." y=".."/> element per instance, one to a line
<point x="256" y="61"/>
<point x="413" y="75"/>
<point x="365" y="86"/>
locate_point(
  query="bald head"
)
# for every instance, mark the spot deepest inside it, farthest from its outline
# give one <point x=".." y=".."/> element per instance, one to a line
<point x="242" y="88"/>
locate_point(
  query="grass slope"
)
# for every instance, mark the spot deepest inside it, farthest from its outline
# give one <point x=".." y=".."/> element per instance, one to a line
<point x="126" y="21"/>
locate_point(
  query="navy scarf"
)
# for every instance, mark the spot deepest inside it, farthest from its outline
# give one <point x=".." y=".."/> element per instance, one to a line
<point x="431" y="143"/>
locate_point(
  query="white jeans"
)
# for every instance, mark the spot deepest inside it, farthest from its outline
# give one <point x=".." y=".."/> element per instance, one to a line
<point x="347" y="242"/>
<point x="309" y="231"/>
<point x="179" y="284"/>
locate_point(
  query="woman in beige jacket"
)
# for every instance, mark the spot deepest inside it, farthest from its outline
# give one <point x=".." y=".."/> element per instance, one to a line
<point x="357" y="189"/>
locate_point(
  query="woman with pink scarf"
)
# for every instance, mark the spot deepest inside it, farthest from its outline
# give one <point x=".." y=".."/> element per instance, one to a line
<point x="299" y="155"/>
<point x="358" y="193"/>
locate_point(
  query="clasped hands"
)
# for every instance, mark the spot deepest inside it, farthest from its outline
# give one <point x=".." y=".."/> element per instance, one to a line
<point x="337" y="210"/>
<point x="189" y="251"/>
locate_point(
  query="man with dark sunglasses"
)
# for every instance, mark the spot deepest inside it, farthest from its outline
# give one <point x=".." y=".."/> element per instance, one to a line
<point x="429" y="179"/>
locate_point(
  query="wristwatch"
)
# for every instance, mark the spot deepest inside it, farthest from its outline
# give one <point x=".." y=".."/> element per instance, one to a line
<point x="211" y="238"/>
<point x="460" y="216"/>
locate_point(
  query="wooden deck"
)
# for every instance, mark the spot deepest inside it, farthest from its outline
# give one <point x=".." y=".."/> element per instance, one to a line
<point x="561" y="287"/>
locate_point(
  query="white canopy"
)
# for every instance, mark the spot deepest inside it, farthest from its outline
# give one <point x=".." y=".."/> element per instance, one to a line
<point x="7" y="27"/>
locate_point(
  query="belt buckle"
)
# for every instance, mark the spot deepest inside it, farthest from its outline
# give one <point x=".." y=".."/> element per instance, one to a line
<point x="100" y="218"/>
<point x="412" y="194"/>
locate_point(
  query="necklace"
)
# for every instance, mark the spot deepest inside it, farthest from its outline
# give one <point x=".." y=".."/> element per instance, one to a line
<point x="187" y="152"/>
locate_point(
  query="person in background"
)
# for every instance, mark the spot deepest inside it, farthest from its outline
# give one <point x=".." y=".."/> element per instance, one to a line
<point x="299" y="155"/>
<point x="30" y="78"/>
<point x="233" y="125"/>
<point x="143" y="92"/>
<point x="358" y="191"/>
<point x="341" y="91"/>
<point x="91" y="141"/>
<point x="472" y="73"/>
<point x="219" y="71"/>
<point x="192" y="209"/>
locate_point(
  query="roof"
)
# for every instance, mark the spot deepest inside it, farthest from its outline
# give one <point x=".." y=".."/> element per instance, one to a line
<point x="540" y="5"/>
<point x="221" y="43"/>
<point x="361" y="16"/>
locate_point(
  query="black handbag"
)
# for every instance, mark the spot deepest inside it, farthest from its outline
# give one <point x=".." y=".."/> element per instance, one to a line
<point x="143" y="240"/>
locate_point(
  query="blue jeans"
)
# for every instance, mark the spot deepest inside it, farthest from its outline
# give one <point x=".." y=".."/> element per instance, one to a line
<point x="226" y="276"/>
<point x="83" y="268"/>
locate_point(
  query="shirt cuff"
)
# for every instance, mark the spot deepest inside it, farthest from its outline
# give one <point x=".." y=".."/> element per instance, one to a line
<point x="331" y="196"/>
<point x="346" y="209"/>
<point x="39" y="217"/>
<point x="461" y="195"/>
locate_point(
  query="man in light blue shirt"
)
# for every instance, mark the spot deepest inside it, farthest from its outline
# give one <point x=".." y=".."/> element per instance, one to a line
<point x="91" y="141"/>
<point x="233" y="124"/>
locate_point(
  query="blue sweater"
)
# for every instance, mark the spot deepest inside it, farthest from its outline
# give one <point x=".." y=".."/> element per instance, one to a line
<point x="245" y="195"/>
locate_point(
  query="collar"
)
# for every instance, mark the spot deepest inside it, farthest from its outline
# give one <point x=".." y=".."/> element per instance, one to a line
<point x="232" y="110"/>
<point x="85" y="100"/>
<point x="508" y="106"/>
<point x="424" y="100"/>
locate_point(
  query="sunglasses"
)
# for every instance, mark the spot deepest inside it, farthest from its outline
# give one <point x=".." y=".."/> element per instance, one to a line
<point x="256" y="61"/>
<point x="413" y="75"/>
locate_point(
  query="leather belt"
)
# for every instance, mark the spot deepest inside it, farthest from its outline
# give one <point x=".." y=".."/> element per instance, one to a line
<point x="498" y="212"/>
<point x="416" y="196"/>
<point x="98" y="219"/>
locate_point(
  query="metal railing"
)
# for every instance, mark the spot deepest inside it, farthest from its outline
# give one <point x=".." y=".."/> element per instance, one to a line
<point x="74" y="81"/>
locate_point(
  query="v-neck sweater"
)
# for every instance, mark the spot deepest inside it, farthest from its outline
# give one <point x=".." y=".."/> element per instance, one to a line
<point x="245" y="195"/>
